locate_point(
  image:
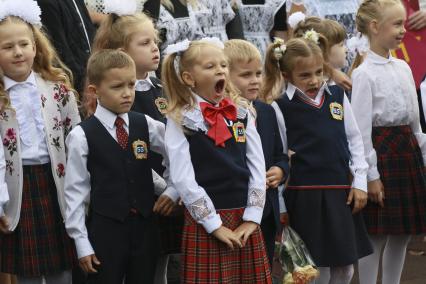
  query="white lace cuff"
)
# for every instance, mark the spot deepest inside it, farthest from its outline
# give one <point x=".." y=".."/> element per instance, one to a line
<point x="256" y="197"/>
<point x="204" y="213"/>
<point x="253" y="214"/>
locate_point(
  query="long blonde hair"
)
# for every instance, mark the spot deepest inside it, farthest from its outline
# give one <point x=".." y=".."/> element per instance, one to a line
<point x="273" y="80"/>
<point x="4" y="98"/>
<point x="368" y="11"/>
<point x="178" y="93"/>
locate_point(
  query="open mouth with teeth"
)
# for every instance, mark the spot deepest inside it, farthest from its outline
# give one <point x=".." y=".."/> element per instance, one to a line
<point x="312" y="92"/>
<point x="219" y="87"/>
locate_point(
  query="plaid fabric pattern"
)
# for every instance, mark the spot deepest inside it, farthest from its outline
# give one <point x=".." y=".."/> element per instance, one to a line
<point x="39" y="245"/>
<point x="207" y="260"/>
<point x="171" y="233"/>
<point x="400" y="163"/>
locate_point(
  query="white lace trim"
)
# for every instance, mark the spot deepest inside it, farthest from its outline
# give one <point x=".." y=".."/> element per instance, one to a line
<point x="256" y="197"/>
<point x="199" y="209"/>
<point x="193" y="119"/>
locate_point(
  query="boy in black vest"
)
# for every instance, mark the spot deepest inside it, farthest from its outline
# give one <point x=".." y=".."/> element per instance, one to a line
<point x="246" y="74"/>
<point x="109" y="168"/>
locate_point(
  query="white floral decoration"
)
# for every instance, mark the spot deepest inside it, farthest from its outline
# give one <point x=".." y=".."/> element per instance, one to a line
<point x="311" y="35"/>
<point x="358" y="44"/>
<point x="27" y="10"/>
<point x="121" y="7"/>
<point x="213" y="40"/>
<point x="295" y="19"/>
<point x="279" y="49"/>
<point x="178" y="47"/>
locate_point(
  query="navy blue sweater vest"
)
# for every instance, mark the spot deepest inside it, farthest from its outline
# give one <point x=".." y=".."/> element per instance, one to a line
<point x="120" y="179"/>
<point x="221" y="171"/>
<point x="318" y="138"/>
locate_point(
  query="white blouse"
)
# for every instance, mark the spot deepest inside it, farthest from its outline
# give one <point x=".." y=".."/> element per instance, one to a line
<point x="25" y="99"/>
<point x="384" y="94"/>
<point x="357" y="164"/>
<point x="182" y="174"/>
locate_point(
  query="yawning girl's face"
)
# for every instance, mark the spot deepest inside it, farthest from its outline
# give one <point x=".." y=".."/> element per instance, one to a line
<point x="209" y="75"/>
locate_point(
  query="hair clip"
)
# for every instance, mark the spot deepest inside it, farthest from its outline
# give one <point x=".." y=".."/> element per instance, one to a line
<point x="279" y="48"/>
<point x="120" y="7"/>
<point x="311" y="35"/>
<point x="358" y="44"/>
<point x="27" y="10"/>
<point x="295" y="19"/>
<point x="213" y="40"/>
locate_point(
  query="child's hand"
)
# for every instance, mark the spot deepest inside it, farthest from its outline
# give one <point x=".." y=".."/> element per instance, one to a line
<point x="376" y="192"/>
<point x="227" y="236"/>
<point x="86" y="263"/>
<point x="359" y="198"/>
<point x="164" y="205"/>
<point x="342" y="79"/>
<point x="284" y="219"/>
<point x="4" y="225"/>
<point x="274" y="176"/>
<point x="244" y="231"/>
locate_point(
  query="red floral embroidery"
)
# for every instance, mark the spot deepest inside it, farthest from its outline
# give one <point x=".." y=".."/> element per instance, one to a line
<point x="9" y="167"/>
<point x="60" y="170"/>
<point x="10" y="141"/>
<point x="61" y="94"/>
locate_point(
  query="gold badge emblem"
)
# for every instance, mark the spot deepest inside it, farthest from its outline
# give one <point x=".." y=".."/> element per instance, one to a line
<point x="336" y="111"/>
<point x="140" y="150"/>
<point x="239" y="132"/>
<point x="161" y="104"/>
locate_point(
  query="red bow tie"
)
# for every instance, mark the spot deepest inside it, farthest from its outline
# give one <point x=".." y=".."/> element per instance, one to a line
<point x="215" y="117"/>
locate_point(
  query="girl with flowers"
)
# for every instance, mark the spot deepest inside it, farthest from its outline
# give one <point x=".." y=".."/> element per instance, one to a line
<point x="37" y="111"/>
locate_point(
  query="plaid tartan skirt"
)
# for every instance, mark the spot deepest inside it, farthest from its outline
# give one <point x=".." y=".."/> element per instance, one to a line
<point x="207" y="260"/>
<point x="39" y="245"/>
<point x="401" y="168"/>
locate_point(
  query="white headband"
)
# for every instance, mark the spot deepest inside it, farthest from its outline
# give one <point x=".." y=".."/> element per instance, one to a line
<point x="120" y="7"/>
<point x="295" y="19"/>
<point x="178" y="47"/>
<point x="358" y="43"/>
<point x="214" y="41"/>
<point x="27" y="10"/>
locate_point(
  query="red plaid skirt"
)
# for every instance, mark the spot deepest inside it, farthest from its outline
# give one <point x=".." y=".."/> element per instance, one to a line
<point x="207" y="260"/>
<point x="39" y="245"/>
<point x="401" y="168"/>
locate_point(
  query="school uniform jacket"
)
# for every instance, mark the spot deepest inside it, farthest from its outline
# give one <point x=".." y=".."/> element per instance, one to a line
<point x="266" y="124"/>
<point x="60" y="115"/>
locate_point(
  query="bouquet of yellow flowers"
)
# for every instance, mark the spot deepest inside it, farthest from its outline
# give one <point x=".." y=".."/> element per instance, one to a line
<point x="295" y="259"/>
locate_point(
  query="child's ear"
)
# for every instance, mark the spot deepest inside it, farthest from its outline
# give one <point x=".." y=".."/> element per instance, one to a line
<point x="374" y="27"/>
<point x="188" y="79"/>
<point x="92" y="90"/>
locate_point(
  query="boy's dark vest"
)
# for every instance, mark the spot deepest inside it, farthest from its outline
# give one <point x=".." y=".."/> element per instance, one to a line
<point x="152" y="103"/>
<point x="222" y="171"/>
<point x="317" y="136"/>
<point x="120" y="179"/>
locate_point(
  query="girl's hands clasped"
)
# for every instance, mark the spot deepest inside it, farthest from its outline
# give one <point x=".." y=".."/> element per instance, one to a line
<point x="227" y="236"/>
<point x="245" y="230"/>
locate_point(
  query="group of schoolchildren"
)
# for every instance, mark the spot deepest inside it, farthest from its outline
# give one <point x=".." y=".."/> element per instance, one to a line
<point x="93" y="193"/>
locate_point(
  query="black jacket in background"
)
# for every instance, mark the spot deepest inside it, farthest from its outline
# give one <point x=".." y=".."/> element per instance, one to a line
<point x="65" y="29"/>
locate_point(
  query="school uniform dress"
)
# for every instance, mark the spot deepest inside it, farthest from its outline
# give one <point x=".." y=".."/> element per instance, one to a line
<point x="33" y="130"/>
<point x="111" y="178"/>
<point x="258" y="19"/>
<point x="150" y="7"/>
<point x="385" y="104"/>
<point x="149" y="100"/>
<point x="220" y="183"/>
<point x="213" y="17"/>
<point x="266" y="124"/>
<point x="328" y="150"/>
<point x="178" y="25"/>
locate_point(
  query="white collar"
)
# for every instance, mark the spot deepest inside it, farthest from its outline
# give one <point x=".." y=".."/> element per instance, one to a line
<point x="108" y="118"/>
<point x="291" y="90"/>
<point x="144" y="84"/>
<point x="9" y="83"/>
<point x="378" y="59"/>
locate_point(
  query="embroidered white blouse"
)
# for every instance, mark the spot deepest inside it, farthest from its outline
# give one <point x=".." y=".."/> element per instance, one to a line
<point x="4" y="195"/>
<point x="357" y="164"/>
<point x="77" y="180"/>
<point x="384" y="94"/>
<point x="182" y="174"/>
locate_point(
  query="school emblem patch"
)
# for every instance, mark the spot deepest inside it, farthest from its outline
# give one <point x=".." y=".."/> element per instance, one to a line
<point x="239" y="132"/>
<point x="140" y="150"/>
<point x="161" y="104"/>
<point x="336" y="111"/>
